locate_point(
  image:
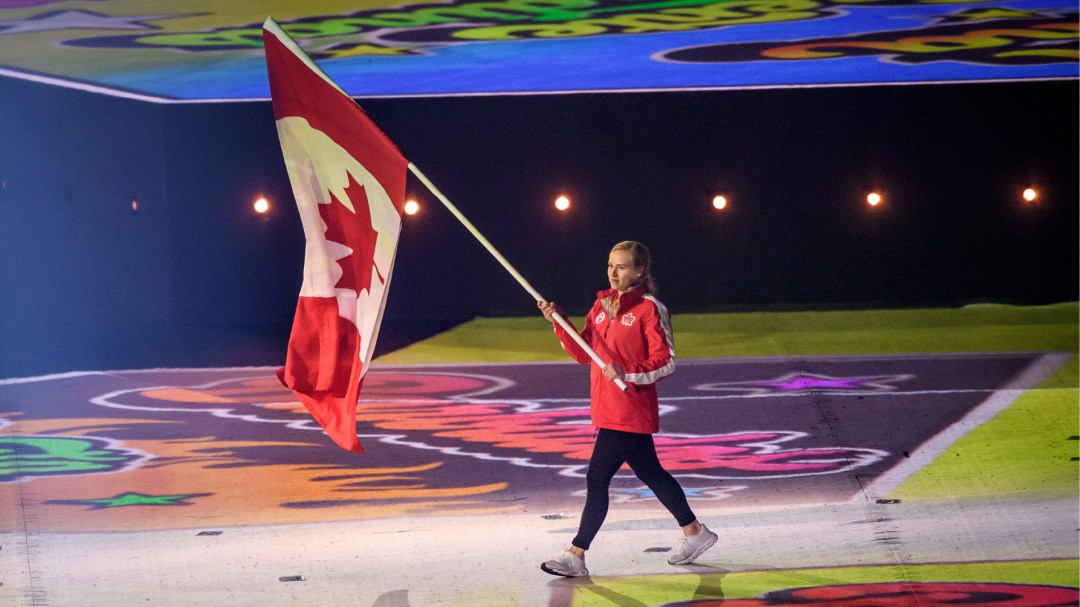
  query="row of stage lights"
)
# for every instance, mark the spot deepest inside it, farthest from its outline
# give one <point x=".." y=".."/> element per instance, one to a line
<point x="563" y="204"/>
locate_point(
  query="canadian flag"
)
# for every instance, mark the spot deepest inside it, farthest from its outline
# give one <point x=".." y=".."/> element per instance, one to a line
<point x="348" y="180"/>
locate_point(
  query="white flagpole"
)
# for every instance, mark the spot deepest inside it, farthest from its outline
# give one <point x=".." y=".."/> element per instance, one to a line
<point x="509" y="268"/>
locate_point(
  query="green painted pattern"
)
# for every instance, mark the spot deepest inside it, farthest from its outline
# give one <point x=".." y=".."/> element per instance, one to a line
<point x="987" y="328"/>
<point x="1028" y="449"/>
<point x="659" y="589"/>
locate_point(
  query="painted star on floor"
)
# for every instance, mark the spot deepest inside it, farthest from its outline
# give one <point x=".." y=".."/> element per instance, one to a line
<point x="132" y="499"/>
<point x="801" y="382"/>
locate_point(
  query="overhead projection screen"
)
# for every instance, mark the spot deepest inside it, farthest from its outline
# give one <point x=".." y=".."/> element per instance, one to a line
<point x="206" y="50"/>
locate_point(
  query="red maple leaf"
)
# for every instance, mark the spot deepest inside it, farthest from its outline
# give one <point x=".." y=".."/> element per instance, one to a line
<point x="354" y="231"/>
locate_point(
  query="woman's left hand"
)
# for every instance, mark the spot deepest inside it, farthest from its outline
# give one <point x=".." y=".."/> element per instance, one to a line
<point x="613" y="372"/>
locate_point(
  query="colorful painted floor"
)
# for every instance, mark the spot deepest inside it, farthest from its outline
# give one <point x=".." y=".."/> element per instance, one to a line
<point x="858" y="481"/>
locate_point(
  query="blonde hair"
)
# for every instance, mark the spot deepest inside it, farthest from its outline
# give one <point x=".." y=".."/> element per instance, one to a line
<point x="642" y="260"/>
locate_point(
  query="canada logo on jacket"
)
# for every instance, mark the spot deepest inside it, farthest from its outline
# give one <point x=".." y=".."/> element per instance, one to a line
<point x="628" y="319"/>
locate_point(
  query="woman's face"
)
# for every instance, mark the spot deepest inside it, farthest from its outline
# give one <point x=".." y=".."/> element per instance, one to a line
<point x="622" y="273"/>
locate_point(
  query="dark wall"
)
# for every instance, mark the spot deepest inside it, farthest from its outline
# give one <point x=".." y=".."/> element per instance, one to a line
<point x="82" y="276"/>
<point x="195" y="278"/>
<point x="950" y="160"/>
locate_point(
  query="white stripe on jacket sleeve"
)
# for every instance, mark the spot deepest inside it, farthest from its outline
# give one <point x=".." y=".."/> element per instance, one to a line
<point x="656" y="375"/>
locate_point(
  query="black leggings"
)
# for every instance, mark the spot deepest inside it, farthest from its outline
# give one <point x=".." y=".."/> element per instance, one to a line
<point x="612" y="449"/>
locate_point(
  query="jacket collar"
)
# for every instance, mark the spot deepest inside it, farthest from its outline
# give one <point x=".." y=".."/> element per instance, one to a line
<point x="630" y="298"/>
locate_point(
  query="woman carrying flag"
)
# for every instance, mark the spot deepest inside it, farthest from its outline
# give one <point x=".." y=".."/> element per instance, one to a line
<point x="628" y="326"/>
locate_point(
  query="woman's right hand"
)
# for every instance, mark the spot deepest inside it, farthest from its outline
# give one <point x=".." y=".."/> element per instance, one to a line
<point x="548" y="308"/>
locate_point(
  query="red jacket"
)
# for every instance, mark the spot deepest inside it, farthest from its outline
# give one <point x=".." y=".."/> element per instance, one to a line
<point x="638" y="339"/>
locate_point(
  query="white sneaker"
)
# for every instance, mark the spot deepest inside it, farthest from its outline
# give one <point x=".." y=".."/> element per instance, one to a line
<point x="566" y="564"/>
<point x="691" y="547"/>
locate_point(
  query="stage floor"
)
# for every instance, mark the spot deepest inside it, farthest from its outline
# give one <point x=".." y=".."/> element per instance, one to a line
<point x="927" y="480"/>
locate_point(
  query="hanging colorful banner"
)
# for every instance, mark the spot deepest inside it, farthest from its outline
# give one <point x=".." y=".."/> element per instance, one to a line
<point x="203" y="50"/>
